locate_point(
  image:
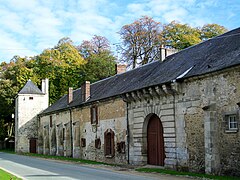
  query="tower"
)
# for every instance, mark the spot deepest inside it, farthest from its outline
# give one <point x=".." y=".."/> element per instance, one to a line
<point x="29" y="102"/>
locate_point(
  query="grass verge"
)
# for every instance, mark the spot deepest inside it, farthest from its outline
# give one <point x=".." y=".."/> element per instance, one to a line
<point x="172" y="172"/>
<point x="7" y="176"/>
<point x="11" y="151"/>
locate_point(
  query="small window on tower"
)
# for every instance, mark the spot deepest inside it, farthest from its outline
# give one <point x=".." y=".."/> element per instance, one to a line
<point x="30" y="98"/>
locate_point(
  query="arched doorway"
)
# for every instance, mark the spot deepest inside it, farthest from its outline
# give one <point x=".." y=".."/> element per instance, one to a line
<point x="155" y="141"/>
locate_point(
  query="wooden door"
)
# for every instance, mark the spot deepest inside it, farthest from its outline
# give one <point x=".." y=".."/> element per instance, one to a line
<point x="33" y="146"/>
<point x="155" y="142"/>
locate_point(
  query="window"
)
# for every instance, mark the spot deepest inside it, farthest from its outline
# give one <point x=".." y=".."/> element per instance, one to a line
<point x="121" y="147"/>
<point x="94" y="115"/>
<point x="231" y="121"/>
<point x="98" y="143"/>
<point x="63" y="134"/>
<point x="83" y="142"/>
<point x="109" y="143"/>
<point x="50" y="122"/>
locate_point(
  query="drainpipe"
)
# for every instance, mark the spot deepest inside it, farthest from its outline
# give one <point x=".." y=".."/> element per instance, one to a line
<point x="71" y="133"/>
<point x="128" y="138"/>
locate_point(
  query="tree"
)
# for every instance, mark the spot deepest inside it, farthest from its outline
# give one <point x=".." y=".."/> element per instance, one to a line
<point x="62" y="65"/>
<point x="211" y="30"/>
<point x="96" y="45"/>
<point x="99" y="66"/>
<point x="100" y="60"/>
<point x="179" y="36"/>
<point x="3" y="131"/>
<point x="140" y="41"/>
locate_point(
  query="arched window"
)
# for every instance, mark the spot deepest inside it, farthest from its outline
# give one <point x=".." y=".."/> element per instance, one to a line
<point x="109" y="143"/>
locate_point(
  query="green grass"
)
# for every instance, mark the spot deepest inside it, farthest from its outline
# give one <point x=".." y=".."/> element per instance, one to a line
<point x="7" y="176"/>
<point x="66" y="159"/>
<point x="11" y="151"/>
<point x="172" y="172"/>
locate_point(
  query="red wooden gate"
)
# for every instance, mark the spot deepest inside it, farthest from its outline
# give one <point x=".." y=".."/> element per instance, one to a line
<point x="155" y="141"/>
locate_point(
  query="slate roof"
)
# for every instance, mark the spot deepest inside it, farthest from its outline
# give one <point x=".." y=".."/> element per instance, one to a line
<point x="30" y="88"/>
<point x="212" y="55"/>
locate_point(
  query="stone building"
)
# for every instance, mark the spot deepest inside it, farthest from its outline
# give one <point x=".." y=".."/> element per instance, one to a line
<point x="181" y="113"/>
<point x="29" y="102"/>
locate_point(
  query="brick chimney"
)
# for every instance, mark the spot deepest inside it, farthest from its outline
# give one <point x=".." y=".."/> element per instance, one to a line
<point x="85" y="91"/>
<point x="120" y="68"/>
<point x="70" y="95"/>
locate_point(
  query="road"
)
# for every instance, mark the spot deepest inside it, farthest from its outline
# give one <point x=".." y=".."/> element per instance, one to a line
<point x="32" y="168"/>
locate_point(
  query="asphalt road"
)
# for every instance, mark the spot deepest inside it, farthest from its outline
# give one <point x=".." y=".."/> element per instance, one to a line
<point x="32" y="168"/>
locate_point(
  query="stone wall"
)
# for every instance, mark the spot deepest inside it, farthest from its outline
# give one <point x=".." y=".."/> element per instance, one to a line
<point x="193" y="117"/>
<point x="140" y="111"/>
<point x="76" y="126"/>
<point x="211" y="147"/>
<point x="27" y="108"/>
<point x="193" y="114"/>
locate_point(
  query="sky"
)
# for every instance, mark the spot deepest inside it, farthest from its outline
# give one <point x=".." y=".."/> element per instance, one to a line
<point x="27" y="27"/>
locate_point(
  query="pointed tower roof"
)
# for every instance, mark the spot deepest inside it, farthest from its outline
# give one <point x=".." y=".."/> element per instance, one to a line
<point x="30" y="88"/>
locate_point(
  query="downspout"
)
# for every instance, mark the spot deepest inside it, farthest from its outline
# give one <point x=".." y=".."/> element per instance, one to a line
<point x="71" y="133"/>
<point x="128" y="138"/>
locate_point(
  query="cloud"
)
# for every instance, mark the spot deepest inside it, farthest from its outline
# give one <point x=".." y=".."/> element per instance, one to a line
<point x="10" y="47"/>
<point x="39" y="24"/>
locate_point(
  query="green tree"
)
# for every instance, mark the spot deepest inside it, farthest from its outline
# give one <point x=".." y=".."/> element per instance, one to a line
<point x="3" y="132"/>
<point x="99" y="66"/>
<point x="62" y="65"/>
<point x="179" y="36"/>
<point x="100" y="60"/>
<point x="211" y="30"/>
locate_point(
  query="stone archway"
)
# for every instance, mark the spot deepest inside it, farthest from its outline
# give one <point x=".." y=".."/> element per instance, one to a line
<point x="155" y="141"/>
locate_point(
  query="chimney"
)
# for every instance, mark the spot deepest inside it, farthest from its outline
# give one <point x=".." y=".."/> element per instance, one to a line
<point x="120" y="68"/>
<point x="85" y="88"/>
<point x="45" y="86"/>
<point x="70" y="95"/>
<point x="164" y="52"/>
